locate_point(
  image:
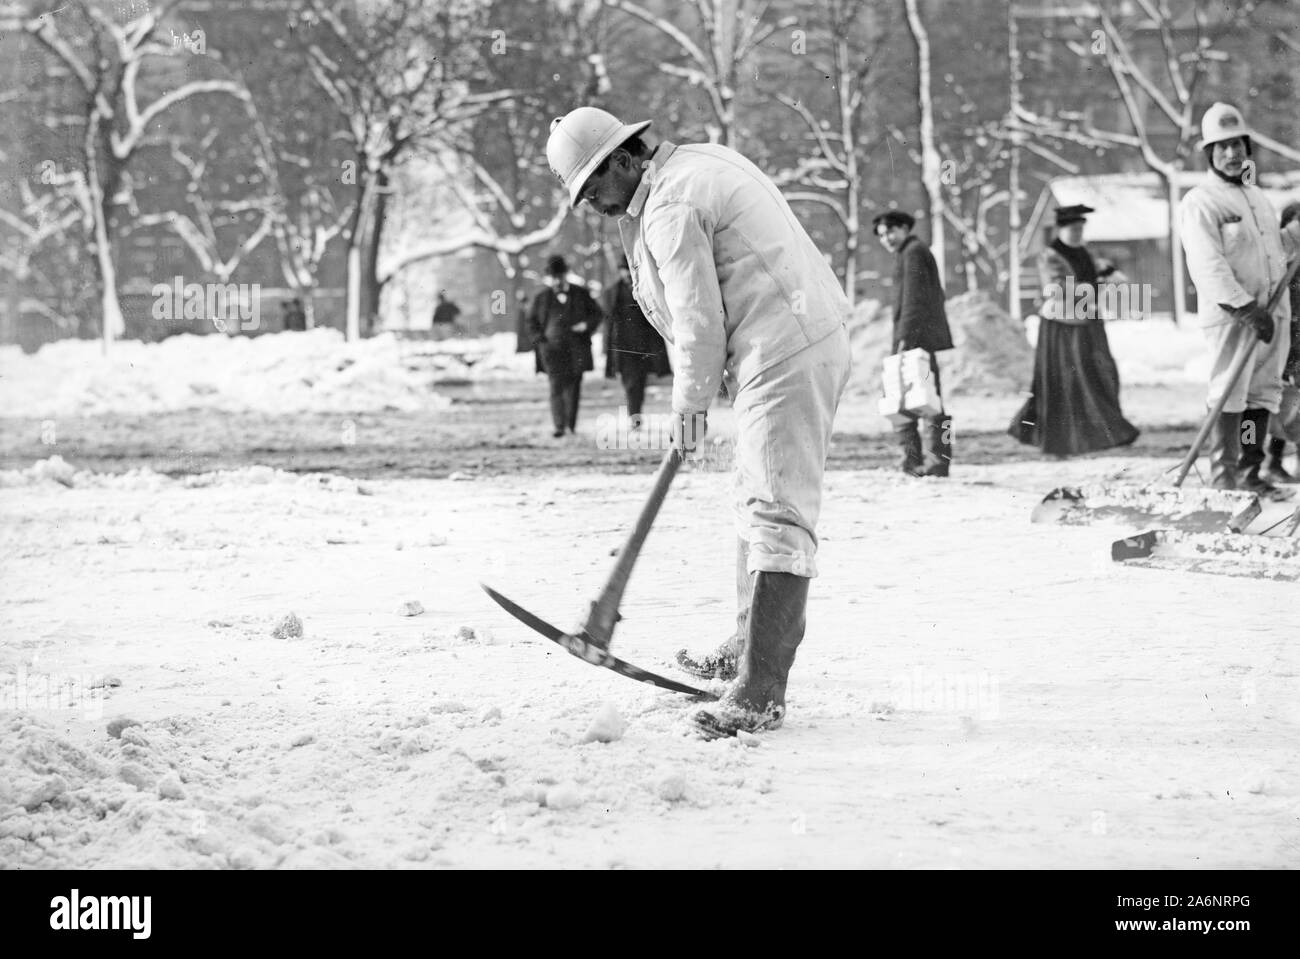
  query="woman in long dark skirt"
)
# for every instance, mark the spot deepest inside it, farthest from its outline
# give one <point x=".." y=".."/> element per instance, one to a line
<point x="1073" y="407"/>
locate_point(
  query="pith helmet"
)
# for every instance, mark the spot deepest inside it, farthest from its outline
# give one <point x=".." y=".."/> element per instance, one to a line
<point x="1222" y="122"/>
<point x="580" y="141"/>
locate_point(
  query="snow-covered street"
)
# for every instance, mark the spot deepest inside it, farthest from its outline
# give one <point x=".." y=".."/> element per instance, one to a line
<point x="974" y="691"/>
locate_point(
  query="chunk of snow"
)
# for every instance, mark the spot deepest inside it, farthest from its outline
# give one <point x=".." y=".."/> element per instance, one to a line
<point x="564" y="796"/>
<point x="671" y="787"/>
<point x="289" y="626"/>
<point x="607" y="726"/>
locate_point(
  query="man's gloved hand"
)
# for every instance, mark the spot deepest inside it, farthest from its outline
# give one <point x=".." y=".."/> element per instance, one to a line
<point x="689" y="430"/>
<point x="1252" y="314"/>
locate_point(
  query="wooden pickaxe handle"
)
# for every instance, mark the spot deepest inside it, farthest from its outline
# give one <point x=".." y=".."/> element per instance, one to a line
<point x="599" y="627"/>
<point x="1244" y="352"/>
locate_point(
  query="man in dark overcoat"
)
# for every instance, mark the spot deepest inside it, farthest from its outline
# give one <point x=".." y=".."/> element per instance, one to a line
<point x="561" y="322"/>
<point x="633" y="348"/>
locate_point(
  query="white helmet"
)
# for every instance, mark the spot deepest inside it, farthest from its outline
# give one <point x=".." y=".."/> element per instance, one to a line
<point x="1222" y="122"/>
<point x="580" y="141"/>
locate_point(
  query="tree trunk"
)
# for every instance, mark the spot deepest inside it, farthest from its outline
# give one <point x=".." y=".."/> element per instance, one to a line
<point x="111" y="321"/>
<point x="356" y="238"/>
<point x="853" y="194"/>
<point x="1175" y="250"/>
<point x="930" y="167"/>
<point x="370" y="286"/>
<point x="352" y="321"/>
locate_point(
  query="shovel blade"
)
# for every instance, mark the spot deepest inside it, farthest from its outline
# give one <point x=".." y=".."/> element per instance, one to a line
<point x="1224" y="554"/>
<point x="1194" y="510"/>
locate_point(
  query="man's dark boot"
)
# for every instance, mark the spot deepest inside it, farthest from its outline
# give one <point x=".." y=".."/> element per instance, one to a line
<point x="756" y="701"/>
<point x="722" y="662"/>
<point x="1273" y="470"/>
<point x="1254" y="433"/>
<point x="937" y="437"/>
<point x="1225" y="450"/>
<point x="909" y="439"/>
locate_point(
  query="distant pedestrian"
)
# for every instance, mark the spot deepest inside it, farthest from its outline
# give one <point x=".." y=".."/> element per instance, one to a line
<point x="561" y="322"/>
<point x="292" y="317"/>
<point x="920" y="323"/>
<point x="633" y="348"/>
<point x="444" y="315"/>
<point x="1073" y="406"/>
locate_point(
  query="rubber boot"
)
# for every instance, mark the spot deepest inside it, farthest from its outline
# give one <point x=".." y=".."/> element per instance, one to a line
<point x="1254" y="433"/>
<point x="722" y="663"/>
<point x="777" y="621"/>
<point x="1273" y="470"/>
<point x="1225" y="450"/>
<point x="909" y="438"/>
<point x="937" y="438"/>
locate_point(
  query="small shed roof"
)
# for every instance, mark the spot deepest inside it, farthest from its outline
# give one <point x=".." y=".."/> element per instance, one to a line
<point x="1132" y="206"/>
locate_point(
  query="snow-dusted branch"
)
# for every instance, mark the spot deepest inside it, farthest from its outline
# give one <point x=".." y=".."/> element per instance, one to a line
<point x="124" y="146"/>
<point x="483" y="239"/>
<point x="829" y="154"/>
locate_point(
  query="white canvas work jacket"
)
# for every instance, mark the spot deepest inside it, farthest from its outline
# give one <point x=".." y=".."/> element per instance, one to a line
<point x="1236" y="253"/>
<point x="724" y="271"/>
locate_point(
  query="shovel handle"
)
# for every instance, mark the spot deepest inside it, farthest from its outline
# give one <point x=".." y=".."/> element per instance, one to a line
<point x="1247" y="348"/>
<point x="599" y="627"/>
<point x="1244" y="353"/>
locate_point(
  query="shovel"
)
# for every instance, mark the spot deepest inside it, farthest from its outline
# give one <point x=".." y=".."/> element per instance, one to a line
<point x="1200" y="510"/>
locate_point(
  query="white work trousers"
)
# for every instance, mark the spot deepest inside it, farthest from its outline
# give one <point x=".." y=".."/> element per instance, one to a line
<point x="784" y="418"/>
<point x="1260" y="385"/>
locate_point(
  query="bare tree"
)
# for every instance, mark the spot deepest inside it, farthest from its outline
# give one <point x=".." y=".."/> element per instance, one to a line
<point x="397" y="75"/>
<point x="105" y="60"/>
<point x="41" y="220"/>
<point x="730" y="32"/>
<point x="930" y="163"/>
<point x="305" y="217"/>
<point x="203" y="231"/>
<point x="828" y="171"/>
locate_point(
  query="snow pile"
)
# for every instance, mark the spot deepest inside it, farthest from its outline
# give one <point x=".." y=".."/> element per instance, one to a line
<point x="289" y="373"/>
<point x="489" y="359"/>
<point x="130" y="801"/>
<point x="991" y="355"/>
<point x="1155" y="352"/>
<point x="994" y="356"/>
<point x="57" y="471"/>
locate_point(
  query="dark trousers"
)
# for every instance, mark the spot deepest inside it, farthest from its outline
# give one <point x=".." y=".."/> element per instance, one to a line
<point x="566" y="392"/>
<point x="633" y="373"/>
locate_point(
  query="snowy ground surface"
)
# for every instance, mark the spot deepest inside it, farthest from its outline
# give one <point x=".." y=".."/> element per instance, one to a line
<point x="975" y="691"/>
